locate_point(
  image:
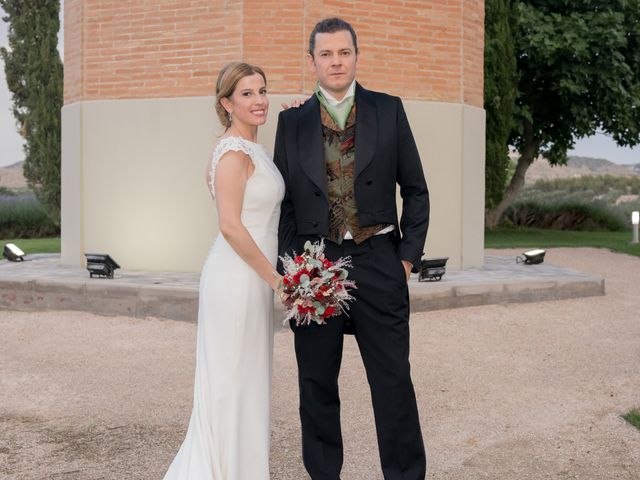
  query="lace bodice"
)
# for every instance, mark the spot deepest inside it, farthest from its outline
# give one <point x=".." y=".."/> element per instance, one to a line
<point x="265" y="187"/>
<point x="225" y="145"/>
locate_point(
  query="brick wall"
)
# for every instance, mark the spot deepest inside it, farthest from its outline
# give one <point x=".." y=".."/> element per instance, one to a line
<point x="72" y="50"/>
<point x="473" y="53"/>
<point x="429" y="50"/>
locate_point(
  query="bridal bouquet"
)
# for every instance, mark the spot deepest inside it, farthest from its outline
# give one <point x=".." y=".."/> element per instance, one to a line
<point x="314" y="288"/>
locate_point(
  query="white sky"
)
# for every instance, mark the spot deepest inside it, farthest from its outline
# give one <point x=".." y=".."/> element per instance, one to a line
<point x="602" y="146"/>
<point x="599" y="146"/>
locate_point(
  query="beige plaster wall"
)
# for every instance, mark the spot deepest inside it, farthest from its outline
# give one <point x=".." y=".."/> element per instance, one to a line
<point x="473" y="145"/>
<point x="71" y="184"/>
<point x="133" y="179"/>
<point x="450" y="139"/>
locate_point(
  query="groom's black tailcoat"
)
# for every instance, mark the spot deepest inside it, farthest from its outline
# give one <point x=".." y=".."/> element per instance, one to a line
<point x="385" y="156"/>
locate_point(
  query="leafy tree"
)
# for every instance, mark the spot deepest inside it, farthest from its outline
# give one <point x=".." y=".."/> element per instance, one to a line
<point x="500" y="80"/>
<point x="579" y="72"/>
<point x="34" y="76"/>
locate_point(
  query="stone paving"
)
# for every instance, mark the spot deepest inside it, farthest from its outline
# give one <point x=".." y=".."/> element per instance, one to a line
<point x="42" y="283"/>
<point x="513" y="391"/>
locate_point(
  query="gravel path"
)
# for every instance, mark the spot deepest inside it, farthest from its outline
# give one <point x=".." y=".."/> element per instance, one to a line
<point x="523" y="392"/>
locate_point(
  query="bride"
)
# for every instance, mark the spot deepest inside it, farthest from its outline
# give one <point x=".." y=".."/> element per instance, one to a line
<point x="228" y="435"/>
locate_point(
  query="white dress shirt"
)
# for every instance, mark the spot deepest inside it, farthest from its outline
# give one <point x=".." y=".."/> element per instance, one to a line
<point x="331" y="100"/>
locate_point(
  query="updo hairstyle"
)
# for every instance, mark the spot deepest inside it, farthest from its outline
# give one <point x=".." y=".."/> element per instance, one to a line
<point x="228" y="78"/>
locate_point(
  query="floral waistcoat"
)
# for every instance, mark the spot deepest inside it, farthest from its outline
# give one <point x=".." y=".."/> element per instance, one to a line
<point x="339" y="155"/>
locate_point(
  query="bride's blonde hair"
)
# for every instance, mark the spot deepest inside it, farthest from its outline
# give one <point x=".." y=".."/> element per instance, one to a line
<point x="228" y="78"/>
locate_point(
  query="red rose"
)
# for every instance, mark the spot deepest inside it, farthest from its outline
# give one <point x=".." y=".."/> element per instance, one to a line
<point x="299" y="260"/>
<point x="286" y="280"/>
<point x="328" y="312"/>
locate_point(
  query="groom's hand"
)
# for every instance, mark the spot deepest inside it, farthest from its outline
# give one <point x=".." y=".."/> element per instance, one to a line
<point x="407" y="268"/>
<point x="296" y="103"/>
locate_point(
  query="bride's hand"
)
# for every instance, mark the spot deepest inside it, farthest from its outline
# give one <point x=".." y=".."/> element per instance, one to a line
<point x="276" y="283"/>
<point x="278" y="287"/>
<point x="297" y="103"/>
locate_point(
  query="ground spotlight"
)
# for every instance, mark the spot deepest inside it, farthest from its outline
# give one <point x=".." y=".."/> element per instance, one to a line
<point x="100" y="265"/>
<point x="432" y="269"/>
<point x="531" y="257"/>
<point x="12" y="253"/>
<point x="635" y="219"/>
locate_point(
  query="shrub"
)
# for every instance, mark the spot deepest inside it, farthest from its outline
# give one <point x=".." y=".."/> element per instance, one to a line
<point x="585" y="202"/>
<point x="626" y="208"/>
<point x="565" y="216"/>
<point x="598" y="184"/>
<point x="22" y="216"/>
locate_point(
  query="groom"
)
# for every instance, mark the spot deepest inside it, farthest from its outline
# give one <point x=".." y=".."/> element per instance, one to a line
<point x="341" y="155"/>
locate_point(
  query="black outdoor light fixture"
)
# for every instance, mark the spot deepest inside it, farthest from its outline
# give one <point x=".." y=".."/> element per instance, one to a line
<point x="432" y="269"/>
<point x="12" y="253"/>
<point x="100" y="265"/>
<point x="531" y="257"/>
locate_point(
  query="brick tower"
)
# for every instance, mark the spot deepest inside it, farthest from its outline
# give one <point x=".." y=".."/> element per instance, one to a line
<point x="138" y="120"/>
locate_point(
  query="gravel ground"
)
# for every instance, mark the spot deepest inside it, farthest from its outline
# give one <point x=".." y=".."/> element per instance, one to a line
<point x="526" y="392"/>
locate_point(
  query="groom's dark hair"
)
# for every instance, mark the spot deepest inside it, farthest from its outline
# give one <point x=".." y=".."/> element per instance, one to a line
<point x="331" y="25"/>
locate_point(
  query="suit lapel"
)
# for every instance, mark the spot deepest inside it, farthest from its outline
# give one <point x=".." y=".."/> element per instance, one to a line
<point x="310" y="147"/>
<point x="366" y="129"/>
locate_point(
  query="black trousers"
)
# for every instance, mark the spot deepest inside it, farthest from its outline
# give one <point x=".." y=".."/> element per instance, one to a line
<point x="379" y="319"/>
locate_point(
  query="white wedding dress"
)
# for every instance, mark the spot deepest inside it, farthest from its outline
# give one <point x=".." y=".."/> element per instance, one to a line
<point x="229" y="429"/>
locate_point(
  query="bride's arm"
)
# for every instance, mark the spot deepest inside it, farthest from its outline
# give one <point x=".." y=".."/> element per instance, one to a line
<point x="231" y="175"/>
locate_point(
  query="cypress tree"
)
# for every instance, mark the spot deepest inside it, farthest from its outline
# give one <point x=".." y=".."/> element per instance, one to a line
<point x="35" y="78"/>
<point x="500" y="84"/>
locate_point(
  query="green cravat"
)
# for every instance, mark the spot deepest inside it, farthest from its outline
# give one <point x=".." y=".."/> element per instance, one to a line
<point x="339" y="113"/>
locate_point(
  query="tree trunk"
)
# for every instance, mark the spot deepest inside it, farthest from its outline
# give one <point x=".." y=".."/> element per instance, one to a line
<point x="527" y="155"/>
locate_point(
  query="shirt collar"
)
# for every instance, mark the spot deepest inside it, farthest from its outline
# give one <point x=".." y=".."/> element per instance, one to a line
<point x="331" y="100"/>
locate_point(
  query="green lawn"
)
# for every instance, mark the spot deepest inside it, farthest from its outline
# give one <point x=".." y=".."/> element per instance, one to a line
<point x="500" y="238"/>
<point x="35" y="245"/>
<point x="633" y="417"/>
<point x="533" y="237"/>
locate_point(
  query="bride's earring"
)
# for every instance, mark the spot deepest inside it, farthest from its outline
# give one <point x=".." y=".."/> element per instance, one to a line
<point x="230" y="117"/>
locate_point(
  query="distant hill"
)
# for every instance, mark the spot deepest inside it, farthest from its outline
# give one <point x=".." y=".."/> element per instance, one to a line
<point x="593" y="164"/>
<point x="577" y="167"/>
<point x="12" y="177"/>
<point x="15" y="166"/>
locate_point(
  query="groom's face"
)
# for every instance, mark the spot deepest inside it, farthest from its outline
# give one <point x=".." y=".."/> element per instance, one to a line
<point x="334" y="62"/>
